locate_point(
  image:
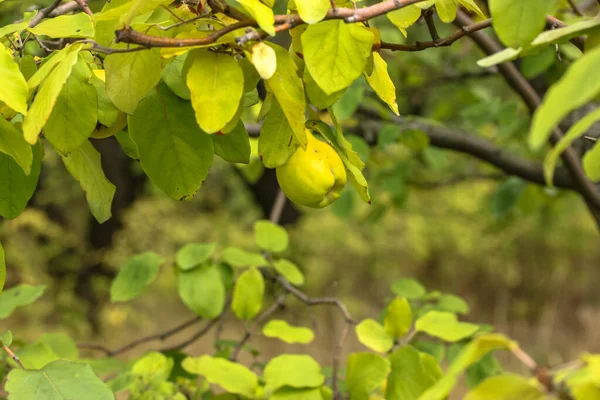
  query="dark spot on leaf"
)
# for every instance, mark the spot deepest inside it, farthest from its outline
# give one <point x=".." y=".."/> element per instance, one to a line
<point x="220" y="133"/>
<point x="78" y="30"/>
<point x="300" y="55"/>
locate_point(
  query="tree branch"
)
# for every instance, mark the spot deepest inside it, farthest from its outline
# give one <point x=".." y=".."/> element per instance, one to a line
<point x="523" y="88"/>
<point x="43" y="13"/>
<point x="285" y="22"/>
<point x="419" y="46"/>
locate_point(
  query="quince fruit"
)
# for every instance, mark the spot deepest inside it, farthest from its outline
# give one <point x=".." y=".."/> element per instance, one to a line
<point x="314" y="177"/>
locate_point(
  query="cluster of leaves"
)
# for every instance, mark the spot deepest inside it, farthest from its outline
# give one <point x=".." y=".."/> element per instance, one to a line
<point x="417" y="333"/>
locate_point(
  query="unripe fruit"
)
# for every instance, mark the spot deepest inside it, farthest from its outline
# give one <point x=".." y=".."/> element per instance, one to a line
<point x="314" y="177"/>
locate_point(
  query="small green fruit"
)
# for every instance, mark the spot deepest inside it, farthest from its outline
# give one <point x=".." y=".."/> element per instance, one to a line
<point x="314" y="177"/>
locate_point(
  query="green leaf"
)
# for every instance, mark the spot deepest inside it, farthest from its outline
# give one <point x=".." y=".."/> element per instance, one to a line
<point x="194" y="254"/>
<point x="507" y="387"/>
<point x="202" y="290"/>
<point x="61" y="344"/>
<point x="55" y="381"/>
<point x="571" y="92"/>
<point x="239" y="258"/>
<point x="139" y="271"/>
<point x="2" y="268"/>
<point x="289" y="271"/>
<point x="6" y="338"/>
<point x="446" y="10"/>
<point x="410" y="376"/>
<point x="75" y="114"/>
<point x="261" y="13"/>
<point x="276" y="140"/>
<point x="506" y="196"/>
<point x="174" y="77"/>
<point x="398" y="319"/>
<point x="507" y="54"/>
<point x="281" y="330"/>
<point x="36" y="355"/>
<point x="365" y="373"/>
<point x="85" y="166"/>
<point x="48" y="93"/>
<point x="216" y="84"/>
<point x="312" y="11"/>
<point x="231" y="376"/>
<point x="452" y="303"/>
<point x="576" y="131"/>
<point x="382" y="84"/>
<point x="16" y="188"/>
<point x="128" y="145"/>
<point x="316" y="95"/>
<point x="18" y="296"/>
<point x="289" y="393"/>
<point x="472" y="352"/>
<point x="72" y="26"/>
<point x="270" y="237"/>
<point x="107" y="112"/>
<point x="13" y="90"/>
<point x="471" y="6"/>
<point x="352" y="97"/>
<point x="287" y="88"/>
<point x="13" y="144"/>
<point x="28" y="66"/>
<point x="248" y="294"/>
<point x="445" y="326"/>
<point x="234" y="146"/>
<point x="153" y="368"/>
<point x="518" y="22"/>
<point x="336" y="53"/>
<point x="139" y="7"/>
<point x="591" y="163"/>
<point x="131" y="76"/>
<point x="409" y="288"/>
<point x="19" y="26"/>
<point x="374" y="336"/>
<point x="536" y="64"/>
<point x="482" y="369"/>
<point x="175" y="154"/>
<point x="295" y="370"/>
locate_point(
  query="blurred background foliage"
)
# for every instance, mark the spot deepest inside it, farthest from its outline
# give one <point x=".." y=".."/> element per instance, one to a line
<point x="524" y="257"/>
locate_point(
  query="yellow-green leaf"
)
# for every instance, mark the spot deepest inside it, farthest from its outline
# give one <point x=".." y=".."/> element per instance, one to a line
<point x="290" y="334"/>
<point x="276" y="141"/>
<point x="287" y="88"/>
<point x="312" y="11"/>
<point x="232" y="377"/>
<point x="73" y="26"/>
<point x="374" y="336"/>
<point x="248" y="294"/>
<point x="46" y="97"/>
<point x="382" y="84"/>
<point x="405" y="17"/>
<point x="366" y="372"/>
<point x="572" y="91"/>
<point x="398" y="318"/>
<point x="289" y="271"/>
<point x="336" y="53"/>
<point x="13" y="87"/>
<point x="13" y="144"/>
<point x="131" y="76"/>
<point x="446" y="10"/>
<point x="84" y="165"/>
<point x="445" y="326"/>
<point x="507" y="387"/>
<point x="261" y="13"/>
<point x="577" y="130"/>
<point x="216" y="84"/>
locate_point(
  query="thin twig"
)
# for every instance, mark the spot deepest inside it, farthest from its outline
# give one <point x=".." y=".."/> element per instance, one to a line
<point x="278" y="304"/>
<point x="420" y="46"/>
<point x="278" y="207"/>
<point x="198" y="334"/>
<point x="128" y="35"/>
<point x="13" y="355"/>
<point x="84" y="7"/>
<point x="317" y="300"/>
<point x="575" y="8"/>
<point x="43" y="13"/>
<point x="428" y="16"/>
<point x="158" y="336"/>
<point x="337" y="355"/>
